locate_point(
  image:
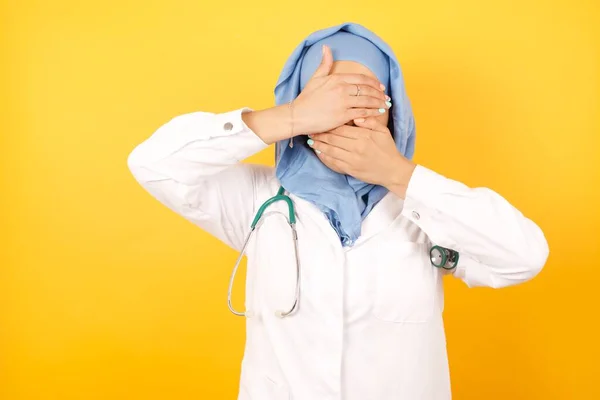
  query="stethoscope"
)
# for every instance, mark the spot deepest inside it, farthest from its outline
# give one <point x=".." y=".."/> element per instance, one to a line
<point x="280" y="196"/>
<point x="440" y="257"/>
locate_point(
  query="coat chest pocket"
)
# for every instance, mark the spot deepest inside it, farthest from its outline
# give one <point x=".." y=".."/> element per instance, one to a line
<point x="405" y="283"/>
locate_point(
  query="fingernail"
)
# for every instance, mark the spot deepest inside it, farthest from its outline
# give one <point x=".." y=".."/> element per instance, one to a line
<point x="359" y="120"/>
<point x="310" y="142"/>
<point x="381" y="86"/>
<point x="388" y="103"/>
<point x="382" y="110"/>
<point x="388" y="98"/>
<point x="310" y="136"/>
<point x="318" y="151"/>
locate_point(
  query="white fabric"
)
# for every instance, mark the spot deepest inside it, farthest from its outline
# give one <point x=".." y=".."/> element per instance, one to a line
<point x="369" y="326"/>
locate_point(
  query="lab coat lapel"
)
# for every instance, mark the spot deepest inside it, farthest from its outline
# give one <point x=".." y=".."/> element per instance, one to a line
<point x="381" y="216"/>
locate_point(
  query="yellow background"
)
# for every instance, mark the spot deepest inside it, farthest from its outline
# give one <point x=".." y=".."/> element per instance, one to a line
<point x="105" y="294"/>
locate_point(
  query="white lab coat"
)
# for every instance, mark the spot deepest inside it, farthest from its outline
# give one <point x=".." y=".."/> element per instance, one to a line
<point x="369" y="326"/>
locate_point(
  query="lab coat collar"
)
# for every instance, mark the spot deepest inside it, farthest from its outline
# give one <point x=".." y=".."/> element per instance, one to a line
<point x="381" y="216"/>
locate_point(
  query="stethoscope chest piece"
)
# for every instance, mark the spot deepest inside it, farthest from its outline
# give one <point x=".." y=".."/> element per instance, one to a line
<point x="443" y="258"/>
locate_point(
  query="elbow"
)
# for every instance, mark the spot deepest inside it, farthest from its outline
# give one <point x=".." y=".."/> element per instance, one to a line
<point x="532" y="255"/>
<point x="133" y="162"/>
<point x="537" y="258"/>
<point x="521" y="268"/>
<point x="136" y="163"/>
<point x="536" y="253"/>
<point x="531" y="262"/>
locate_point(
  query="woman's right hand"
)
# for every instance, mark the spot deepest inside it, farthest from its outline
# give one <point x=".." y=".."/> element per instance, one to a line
<point x="329" y="100"/>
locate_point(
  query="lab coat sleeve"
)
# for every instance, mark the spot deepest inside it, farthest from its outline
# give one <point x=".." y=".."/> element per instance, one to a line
<point x="191" y="164"/>
<point x="498" y="246"/>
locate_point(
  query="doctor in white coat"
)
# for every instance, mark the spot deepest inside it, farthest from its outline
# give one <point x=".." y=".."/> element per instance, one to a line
<point x="368" y="324"/>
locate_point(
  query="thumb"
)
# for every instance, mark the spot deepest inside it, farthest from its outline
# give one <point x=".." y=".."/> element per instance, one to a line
<point x="326" y="63"/>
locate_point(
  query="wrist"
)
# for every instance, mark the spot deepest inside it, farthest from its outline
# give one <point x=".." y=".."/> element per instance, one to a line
<point x="300" y="120"/>
<point x="270" y="125"/>
<point x="399" y="178"/>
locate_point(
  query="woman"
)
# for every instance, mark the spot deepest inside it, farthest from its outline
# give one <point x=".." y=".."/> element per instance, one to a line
<point x="368" y="321"/>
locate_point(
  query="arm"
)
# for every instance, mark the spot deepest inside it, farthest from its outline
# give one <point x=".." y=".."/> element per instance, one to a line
<point x="192" y="165"/>
<point x="498" y="245"/>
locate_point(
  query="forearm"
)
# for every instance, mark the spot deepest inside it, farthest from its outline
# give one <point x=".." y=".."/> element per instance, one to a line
<point x="479" y="224"/>
<point x="192" y="147"/>
<point x="191" y="164"/>
<point x="272" y="124"/>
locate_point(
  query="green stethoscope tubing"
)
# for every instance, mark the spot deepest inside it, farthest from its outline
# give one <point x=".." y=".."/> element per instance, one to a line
<point x="280" y="196"/>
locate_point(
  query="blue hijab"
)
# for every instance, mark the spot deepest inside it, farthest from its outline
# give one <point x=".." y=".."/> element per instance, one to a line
<point x="344" y="200"/>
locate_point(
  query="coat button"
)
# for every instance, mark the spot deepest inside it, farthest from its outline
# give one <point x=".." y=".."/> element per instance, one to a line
<point x="228" y="126"/>
<point x="416" y="215"/>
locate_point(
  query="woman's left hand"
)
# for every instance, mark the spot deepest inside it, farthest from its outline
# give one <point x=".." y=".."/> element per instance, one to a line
<point x="367" y="152"/>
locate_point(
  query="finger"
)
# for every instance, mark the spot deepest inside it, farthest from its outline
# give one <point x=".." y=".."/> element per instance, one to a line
<point x="366" y="91"/>
<point x="371" y="123"/>
<point x="367" y="102"/>
<point x="330" y="150"/>
<point x="360" y="79"/>
<point x="335" y="140"/>
<point x="354" y="113"/>
<point x="326" y="63"/>
<point x="339" y="165"/>
<point x="347" y="131"/>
